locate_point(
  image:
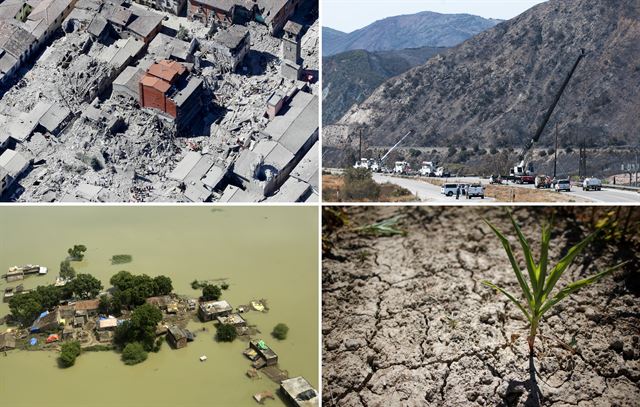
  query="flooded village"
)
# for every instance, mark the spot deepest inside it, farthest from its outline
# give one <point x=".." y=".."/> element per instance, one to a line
<point x="216" y="326"/>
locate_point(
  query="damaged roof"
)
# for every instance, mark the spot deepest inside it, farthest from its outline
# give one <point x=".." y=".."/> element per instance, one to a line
<point x="49" y="10"/>
<point x="164" y="46"/>
<point x="144" y="25"/>
<point x="14" y="40"/>
<point x="299" y="123"/>
<point x="232" y="37"/>
<point x="13" y="162"/>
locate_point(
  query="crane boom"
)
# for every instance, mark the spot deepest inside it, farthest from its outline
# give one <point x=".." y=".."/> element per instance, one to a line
<point x="547" y="115"/>
<point x="396" y="145"/>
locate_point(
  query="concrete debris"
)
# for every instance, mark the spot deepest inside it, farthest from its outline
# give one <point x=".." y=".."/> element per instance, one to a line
<point x="75" y="111"/>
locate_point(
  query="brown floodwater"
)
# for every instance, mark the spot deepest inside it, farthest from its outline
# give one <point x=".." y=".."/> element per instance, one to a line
<point x="264" y="252"/>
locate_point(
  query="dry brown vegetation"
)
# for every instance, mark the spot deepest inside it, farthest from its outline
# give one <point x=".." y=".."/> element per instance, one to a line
<point x="333" y="190"/>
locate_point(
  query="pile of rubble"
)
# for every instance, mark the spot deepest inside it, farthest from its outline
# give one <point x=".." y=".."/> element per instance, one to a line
<point x="72" y="115"/>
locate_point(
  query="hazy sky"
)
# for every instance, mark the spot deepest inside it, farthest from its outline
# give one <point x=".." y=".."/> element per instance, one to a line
<point x="349" y="15"/>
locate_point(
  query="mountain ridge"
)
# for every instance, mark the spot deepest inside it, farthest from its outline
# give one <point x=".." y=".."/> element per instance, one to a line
<point x="494" y="88"/>
<point x="417" y="30"/>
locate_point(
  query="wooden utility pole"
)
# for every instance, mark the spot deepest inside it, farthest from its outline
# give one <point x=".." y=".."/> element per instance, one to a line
<point x="555" y="154"/>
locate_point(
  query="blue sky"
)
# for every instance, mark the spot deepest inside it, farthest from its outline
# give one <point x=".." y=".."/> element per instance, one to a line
<point x="349" y="15"/>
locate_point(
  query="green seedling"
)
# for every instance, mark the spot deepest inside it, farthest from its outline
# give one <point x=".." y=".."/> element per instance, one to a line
<point x="538" y="298"/>
<point x="387" y="227"/>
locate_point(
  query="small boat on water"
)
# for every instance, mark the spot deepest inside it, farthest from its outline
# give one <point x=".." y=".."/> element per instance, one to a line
<point x="203" y="358"/>
<point x="258" y="306"/>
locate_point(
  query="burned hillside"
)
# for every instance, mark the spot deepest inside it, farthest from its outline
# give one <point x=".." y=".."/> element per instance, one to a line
<point x="495" y="88"/>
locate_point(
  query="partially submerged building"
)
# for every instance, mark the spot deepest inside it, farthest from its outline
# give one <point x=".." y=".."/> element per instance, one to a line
<point x="230" y="46"/>
<point x="232" y="319"/>
<point x="168" y="88"/>
<point x="210" y="310"/>
<point x="299" y="392"/>
<point x="7" y="341"/>
<point x="176" y="337"/>
<point x="268" y="356"/>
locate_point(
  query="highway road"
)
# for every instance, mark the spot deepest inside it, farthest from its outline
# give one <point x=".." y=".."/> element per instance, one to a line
<point x="427" y="192"/>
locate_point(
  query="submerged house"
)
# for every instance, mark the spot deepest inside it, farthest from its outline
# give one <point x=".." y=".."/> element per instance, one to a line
<point x="210" y="310"/>
<point x="7" y="341"/>
<point x="299" y="392"/>
<point x="177" y="337"/>
<point x="268" y="356"/>
<point x="232" y="319"/>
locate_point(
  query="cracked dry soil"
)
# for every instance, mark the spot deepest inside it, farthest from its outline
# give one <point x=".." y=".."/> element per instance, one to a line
<point x="406" y="321"/>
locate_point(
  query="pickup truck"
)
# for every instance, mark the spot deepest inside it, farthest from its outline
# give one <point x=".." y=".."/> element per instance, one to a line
<point x="475" y="190"/>
<point x="526" y="179"/>
<point x="591" y="184"/>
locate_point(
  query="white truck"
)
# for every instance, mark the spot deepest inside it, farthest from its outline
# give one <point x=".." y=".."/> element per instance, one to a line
<point x="475" y="190"/>
<point x="363" y="163"/>
<point x="401" y="167"/>
<point x="441" y="172"/>
<point x="591" y="184"/>
<point x="427" y="169"/>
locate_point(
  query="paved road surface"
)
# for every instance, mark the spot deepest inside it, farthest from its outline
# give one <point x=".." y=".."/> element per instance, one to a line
<point x="426" y="192"/>
<point x="431" y="193"/>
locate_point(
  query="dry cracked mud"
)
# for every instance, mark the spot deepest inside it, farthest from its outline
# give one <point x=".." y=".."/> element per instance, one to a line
<point x="406" y="321"/>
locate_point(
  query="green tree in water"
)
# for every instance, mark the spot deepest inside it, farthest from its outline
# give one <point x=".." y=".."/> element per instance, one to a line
<point x="134" y="353"/>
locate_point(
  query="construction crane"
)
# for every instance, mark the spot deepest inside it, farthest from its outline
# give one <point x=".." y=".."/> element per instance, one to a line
<point x="377" y="165"/>
<point x="525" y="167"/>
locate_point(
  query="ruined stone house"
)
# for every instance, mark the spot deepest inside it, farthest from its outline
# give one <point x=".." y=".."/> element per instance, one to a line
<point x="230" y="46"/>
<point x="273" y="13"/>
<point x="176" y="7"/>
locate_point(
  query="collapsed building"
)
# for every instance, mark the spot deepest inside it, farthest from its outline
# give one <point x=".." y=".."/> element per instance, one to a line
<point x="273" y="13"/>
<point x="230" y="46"/>
<point x="25" y="29"/>
<point x="262" y="170"/>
